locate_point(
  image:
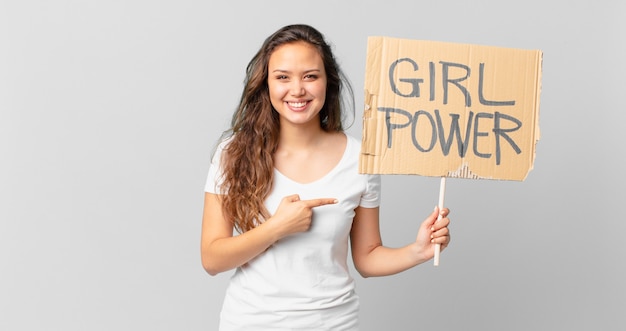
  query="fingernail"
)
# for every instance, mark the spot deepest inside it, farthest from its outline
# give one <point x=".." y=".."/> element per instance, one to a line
<point x="335" y="201"/>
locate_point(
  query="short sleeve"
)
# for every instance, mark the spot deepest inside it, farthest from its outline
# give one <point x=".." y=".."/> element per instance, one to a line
<point x="371" y="196"/>
<point x="214" y="178"/>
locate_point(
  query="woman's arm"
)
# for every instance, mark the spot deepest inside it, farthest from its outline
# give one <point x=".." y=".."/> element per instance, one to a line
<point x="372" y="259"/>
<point x="221" y="251"/>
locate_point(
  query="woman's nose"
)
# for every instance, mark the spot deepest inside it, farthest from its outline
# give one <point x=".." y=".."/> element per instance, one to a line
<point x="297" y="88"/>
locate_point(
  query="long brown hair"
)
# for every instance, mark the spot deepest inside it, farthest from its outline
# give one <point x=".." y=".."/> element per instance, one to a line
<point x="247" y="161"/>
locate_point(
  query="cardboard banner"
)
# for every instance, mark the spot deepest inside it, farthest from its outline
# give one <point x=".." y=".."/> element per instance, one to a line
<point x="450" y="110"/>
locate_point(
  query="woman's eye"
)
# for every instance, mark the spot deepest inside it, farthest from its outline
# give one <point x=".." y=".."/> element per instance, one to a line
<point x="310" y="77"/>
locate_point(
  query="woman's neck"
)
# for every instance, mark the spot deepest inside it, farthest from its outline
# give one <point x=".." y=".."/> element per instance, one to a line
<point x="300" y="136"/>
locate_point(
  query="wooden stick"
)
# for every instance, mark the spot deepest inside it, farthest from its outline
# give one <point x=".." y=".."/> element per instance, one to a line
<point x="442" y="192"/>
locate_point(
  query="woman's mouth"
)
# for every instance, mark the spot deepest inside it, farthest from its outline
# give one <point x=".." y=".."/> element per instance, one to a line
<point x="297" y="105"/>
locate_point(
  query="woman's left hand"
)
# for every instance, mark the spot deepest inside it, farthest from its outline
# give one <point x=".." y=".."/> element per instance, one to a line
<point x="433" y="231"/>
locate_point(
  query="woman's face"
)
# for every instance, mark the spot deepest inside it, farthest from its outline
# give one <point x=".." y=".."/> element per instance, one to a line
<point x="297" y="83"/>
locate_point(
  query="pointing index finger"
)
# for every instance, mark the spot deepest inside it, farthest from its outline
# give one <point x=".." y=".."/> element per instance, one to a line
<point x="320" y="202"/>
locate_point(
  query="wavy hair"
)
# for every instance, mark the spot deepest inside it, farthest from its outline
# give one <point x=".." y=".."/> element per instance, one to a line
<point x="247" y="160"/>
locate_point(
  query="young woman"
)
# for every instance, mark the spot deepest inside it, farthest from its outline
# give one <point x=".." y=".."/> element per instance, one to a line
<point x="286" y="178"/>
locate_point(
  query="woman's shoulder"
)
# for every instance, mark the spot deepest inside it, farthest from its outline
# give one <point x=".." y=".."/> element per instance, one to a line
<point x="219" y="148"/>
<point x="353" y="139"/>
<point x="352" y="142"/>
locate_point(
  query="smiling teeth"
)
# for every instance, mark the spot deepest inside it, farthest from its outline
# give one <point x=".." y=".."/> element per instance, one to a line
<point x="297" y="104"/>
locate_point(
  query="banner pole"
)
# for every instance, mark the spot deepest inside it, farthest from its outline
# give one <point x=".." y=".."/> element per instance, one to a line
<point x="442" y="192"/>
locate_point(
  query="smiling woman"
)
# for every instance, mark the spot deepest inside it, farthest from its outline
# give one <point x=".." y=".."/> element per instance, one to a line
<point x="285" y="177"/>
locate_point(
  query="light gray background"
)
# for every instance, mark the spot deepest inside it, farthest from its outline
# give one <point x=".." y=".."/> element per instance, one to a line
<point x="109" y="111"/>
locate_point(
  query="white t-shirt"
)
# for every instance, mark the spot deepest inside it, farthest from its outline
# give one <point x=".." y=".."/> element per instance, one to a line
<point x="302" y="281"/>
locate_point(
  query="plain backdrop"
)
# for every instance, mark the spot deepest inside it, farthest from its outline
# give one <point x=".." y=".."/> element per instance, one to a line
<point x="109" y="111"/>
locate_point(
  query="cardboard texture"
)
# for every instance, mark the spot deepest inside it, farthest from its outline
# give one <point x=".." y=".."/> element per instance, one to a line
<point x="450" y="110"/>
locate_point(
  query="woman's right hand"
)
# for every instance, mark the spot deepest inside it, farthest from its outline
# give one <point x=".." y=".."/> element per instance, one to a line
<point x="294" y="215"/>
<point x="221" y="251"/>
